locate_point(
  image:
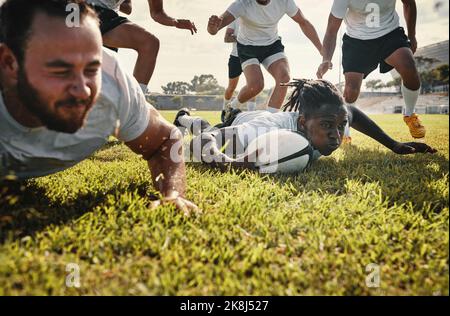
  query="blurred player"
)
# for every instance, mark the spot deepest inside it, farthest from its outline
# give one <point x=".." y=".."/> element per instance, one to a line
<point x="374" y="37"/>
<point x="119" y="32"/>
<point x="234" y="68"/>
<point x="258" y="43"/>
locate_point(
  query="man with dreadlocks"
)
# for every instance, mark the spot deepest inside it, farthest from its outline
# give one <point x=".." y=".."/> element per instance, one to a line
<point x="315" y="108"/>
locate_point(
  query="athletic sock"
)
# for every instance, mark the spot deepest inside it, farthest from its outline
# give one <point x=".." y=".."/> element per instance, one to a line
<point x="272" y="110"/>
<point x="225" y="102"/>
<point x="187" y="120"/>
<point x="410" y="98"/>
<point x="347" y="127"/>
<point x="235" y="104"/>
<point x="251" y="106"/>
<point x="144" y="88"/>
<point x="347" y="130"/>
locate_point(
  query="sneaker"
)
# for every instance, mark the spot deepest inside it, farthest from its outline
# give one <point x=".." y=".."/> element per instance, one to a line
<point x="225" y="115"/>
<point x="222" y="116"/>
<point x="183" y="111"/>
<point x="416" y="129"/>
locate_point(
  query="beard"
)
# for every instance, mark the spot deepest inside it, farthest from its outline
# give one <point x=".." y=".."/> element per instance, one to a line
<point x="32" y="100"/>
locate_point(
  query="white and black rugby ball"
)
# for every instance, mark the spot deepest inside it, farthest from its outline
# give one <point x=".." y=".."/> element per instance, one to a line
<point x="281" y="151"/>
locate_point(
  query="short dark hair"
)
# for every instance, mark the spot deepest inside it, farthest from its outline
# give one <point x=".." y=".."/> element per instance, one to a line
<point x="16" y="18"/>
<point x="309" y="95"/>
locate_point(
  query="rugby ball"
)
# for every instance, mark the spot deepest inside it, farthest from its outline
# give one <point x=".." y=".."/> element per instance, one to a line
<point x="281" y="151"/>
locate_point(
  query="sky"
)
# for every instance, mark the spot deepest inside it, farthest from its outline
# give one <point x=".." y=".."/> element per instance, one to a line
<point x="182" y="56"/>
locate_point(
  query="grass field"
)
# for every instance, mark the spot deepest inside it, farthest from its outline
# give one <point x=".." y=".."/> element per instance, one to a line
<point x="309" y="234"/>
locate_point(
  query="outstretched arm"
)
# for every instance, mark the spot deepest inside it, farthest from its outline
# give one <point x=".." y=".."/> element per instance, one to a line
<point x="159" y="15"/>
<point x="363" y="124"/>
<point x="329" y="45"/>
<point x="308" y="29"/>
<point x="410" y="13"/>
<point x="126" y="7"/>
<point x="216" y="23"/>
<point x="162" y="147"/>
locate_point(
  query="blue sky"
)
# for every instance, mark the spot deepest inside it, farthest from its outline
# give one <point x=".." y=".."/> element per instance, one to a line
<point x="182" y="56"/>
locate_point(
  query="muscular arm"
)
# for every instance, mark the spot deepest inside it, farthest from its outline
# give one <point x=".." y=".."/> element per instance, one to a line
<point x="159" y="15"/>
<point x="410" y="13"/>
<point x="126" y="7"/>
<point x="308" y="29"/>
<point x="362" y="123"/>
<point x="161" y="146"/>
<point x="329" y="45"/>
<point x="215" y="23"/>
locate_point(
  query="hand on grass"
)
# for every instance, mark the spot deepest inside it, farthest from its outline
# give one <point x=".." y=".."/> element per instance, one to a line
<point x="412" y="148"/>
<point x="180" y="203"/>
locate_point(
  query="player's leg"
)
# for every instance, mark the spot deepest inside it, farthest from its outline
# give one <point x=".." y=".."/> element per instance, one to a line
<point x="403" y="61"/>
<point x="234" y="72"/>
<point x="353" y="82"/>
<point x="232" y="84"/>
<point x="359" y="59"/>
<point x="255" y="84"/>
<point x="130" y="35"/>
<point x="251" y="104"/>
<point x="280" y="71"/>
<point x="195" y="125"/>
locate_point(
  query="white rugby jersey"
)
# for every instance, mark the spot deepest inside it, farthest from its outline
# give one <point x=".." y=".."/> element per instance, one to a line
<point x="34" y="152"/>
<point x="109" y="4"/>
<point x="367" y="19"/>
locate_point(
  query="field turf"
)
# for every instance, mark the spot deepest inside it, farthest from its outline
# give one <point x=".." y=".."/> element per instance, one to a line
<point x="314" y="233"/>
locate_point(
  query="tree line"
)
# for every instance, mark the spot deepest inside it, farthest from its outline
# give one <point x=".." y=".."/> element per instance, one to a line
<point x="205" y="84"/>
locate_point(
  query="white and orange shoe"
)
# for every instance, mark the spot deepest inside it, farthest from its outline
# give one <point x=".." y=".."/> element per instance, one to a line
<point x="416" y="129"/>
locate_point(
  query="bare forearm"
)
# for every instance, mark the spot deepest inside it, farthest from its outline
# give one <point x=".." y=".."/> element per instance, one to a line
<point x="159" y="15"/>
<point x="329" y="46"/>
<point x="362" y="123"/>
<point x="168" y="169"/>
<point x="311" y="33"/>
<point x="410" y="13"/>
<point x="164" y="19"/>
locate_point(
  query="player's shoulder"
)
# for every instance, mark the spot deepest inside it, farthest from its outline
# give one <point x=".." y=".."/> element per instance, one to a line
<point x="285" y="115"/>
<point x="114" y="83"/>
<point x="109" y="64"/>
<point x="112" y="71"/>
<point x="245" y="3"/>
<point x="286" y="2"/>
